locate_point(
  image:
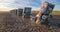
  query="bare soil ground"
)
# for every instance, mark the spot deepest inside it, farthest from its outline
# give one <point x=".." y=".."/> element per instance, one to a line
<point x="13" y="23"/>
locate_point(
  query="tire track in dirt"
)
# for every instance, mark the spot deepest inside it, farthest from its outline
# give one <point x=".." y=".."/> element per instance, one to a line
<point x="12" y="23"/>
<point x="2" y="22"/>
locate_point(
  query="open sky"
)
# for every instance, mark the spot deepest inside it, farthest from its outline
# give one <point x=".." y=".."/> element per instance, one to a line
<point x="35" y="4"/>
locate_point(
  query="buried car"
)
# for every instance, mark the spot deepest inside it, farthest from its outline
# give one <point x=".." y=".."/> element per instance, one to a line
<point x="44" y="14"/>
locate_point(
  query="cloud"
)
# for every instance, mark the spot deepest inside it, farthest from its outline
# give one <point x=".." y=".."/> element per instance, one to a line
<point x="5" y="3"/>
<point x="22" y="3"/>
<point x="12" y="4"/>
<point x="18" y="3"/>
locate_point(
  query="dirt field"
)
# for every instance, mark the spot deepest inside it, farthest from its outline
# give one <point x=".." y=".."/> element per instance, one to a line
<point x="13" y="23"/>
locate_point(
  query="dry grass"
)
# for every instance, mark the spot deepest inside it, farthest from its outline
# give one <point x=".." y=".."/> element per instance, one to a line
<point x="54" y="12"/>
<point x="4" y="12"/>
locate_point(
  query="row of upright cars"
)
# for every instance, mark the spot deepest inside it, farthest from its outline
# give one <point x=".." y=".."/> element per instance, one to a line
<point x="43" y="15"/>
<point x="26" y="12"/>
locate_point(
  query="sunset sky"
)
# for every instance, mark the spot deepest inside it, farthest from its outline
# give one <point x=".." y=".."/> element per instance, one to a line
<point x="35" y="4"/>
